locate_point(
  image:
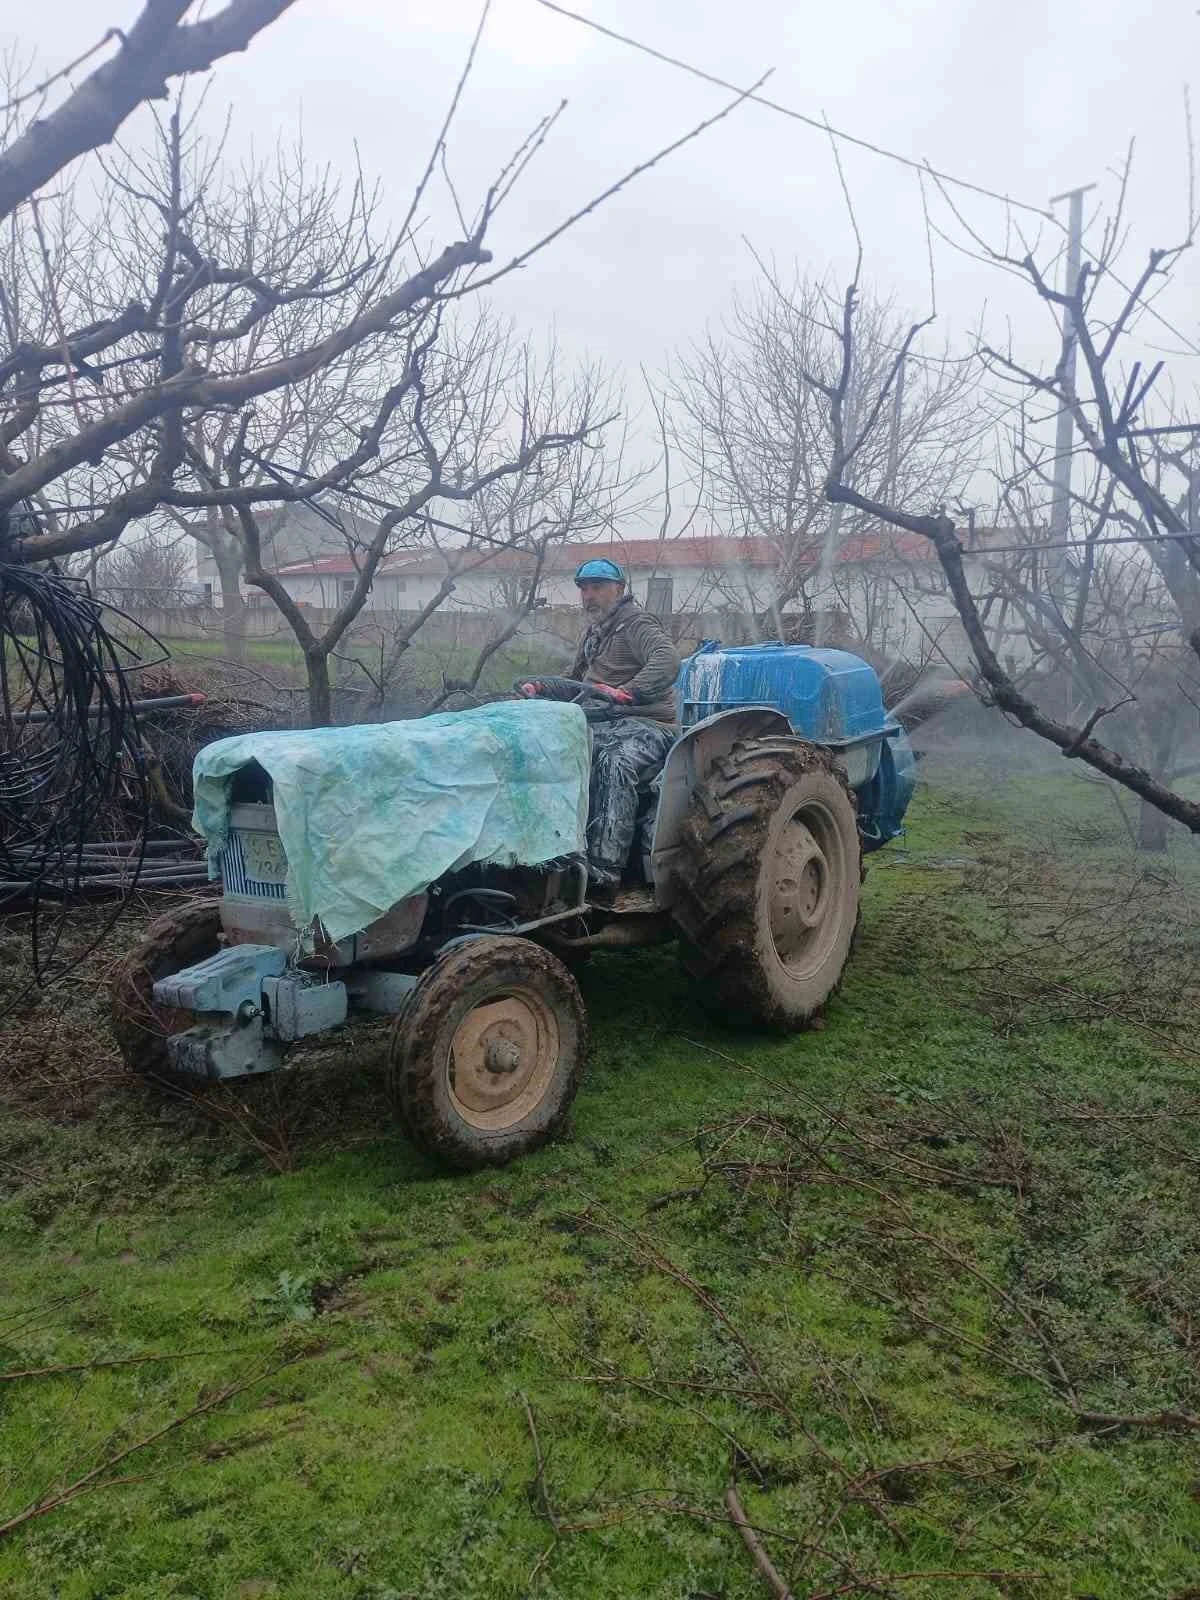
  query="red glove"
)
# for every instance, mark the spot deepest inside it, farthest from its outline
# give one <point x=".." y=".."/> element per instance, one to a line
<point x="621" y="696"/>
<point x="531" y="689"/>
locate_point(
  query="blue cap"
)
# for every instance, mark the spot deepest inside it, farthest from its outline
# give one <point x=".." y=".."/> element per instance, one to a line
<point x="601" y="570"/>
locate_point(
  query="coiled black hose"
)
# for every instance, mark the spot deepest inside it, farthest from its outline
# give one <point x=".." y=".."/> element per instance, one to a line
<point x="69" y="749"/>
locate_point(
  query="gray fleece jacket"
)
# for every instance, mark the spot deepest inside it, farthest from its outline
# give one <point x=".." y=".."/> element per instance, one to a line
<point x="630" y="649"/>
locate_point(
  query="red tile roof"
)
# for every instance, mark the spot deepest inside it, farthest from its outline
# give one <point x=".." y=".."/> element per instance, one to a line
<point x="636" y="555"/>
<point x="319" y="567"/>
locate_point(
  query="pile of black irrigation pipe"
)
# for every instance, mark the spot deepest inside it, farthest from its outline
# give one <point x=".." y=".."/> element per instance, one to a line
<point x="70" y="754"/>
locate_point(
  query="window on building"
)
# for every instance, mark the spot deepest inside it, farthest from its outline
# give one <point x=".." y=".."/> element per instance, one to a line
<point x="660" y="595"/>
<point x="401" y="585"/>
<point x="346" y="588"/>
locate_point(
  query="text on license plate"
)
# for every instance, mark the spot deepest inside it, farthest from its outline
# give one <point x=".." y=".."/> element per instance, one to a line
<point x="264" y="857"/>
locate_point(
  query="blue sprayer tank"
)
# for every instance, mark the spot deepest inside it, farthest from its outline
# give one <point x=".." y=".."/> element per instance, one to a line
<point x="830" y="697"/>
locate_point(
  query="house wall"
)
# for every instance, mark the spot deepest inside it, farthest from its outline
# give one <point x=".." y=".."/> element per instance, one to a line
<point x="692" y="589"/>
<point x="552" y="632"/>
<point x="326" y="593"/>
<point x="291" y="533"/>
<point x="894" y="608"/>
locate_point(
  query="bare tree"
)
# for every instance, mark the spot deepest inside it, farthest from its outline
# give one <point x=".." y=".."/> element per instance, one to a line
<point x="154" y="570"/>
<point x="757" y="424"/>
<point x="509" y="530"/>
<point x="484" y="455"/>
<point x="158" y="359"/>
<point x="1090" y="615"/>
<point x="283" y="221"/>
<point x="161" y="45"/>
<point x="1126" y="627"/>
<point x="143" y="332"/>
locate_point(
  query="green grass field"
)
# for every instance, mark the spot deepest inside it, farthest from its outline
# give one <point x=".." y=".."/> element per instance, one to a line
<point x="423" y="673"/>
<point x="922" y="1284"/>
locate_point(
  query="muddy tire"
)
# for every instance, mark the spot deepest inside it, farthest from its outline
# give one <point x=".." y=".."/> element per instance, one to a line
<point x="767" y="905"/>
<point x="487" y="1057"/>
<point x="138" y="1023"/>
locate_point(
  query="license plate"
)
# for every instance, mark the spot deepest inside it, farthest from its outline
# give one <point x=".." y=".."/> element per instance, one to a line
<point x="264" y="857"/>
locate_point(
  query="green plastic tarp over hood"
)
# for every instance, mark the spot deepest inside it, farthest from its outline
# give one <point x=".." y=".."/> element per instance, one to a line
<point x="371" y="814"/>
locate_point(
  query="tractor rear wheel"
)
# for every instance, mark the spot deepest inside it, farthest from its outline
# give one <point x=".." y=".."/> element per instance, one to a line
<point x="487" y="1056"/>
<point x="140" y="1025"/>
<point x="768" y="904"/>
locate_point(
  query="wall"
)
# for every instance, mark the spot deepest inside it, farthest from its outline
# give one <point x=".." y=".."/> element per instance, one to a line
<point x="895" y="611"/>
<point x="693" y="589"/>
<point x="555" y="629"/>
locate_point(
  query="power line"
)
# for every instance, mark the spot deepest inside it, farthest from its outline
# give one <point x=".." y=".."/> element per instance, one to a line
<point x="790" y="111"/>
<point x="1157" y="315"/>
<point x="1079" y="545"/>
<point x="922" y="167"/>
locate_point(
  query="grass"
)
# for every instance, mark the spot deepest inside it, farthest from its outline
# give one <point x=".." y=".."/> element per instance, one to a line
<point x="877" y="1273"/>
<point x="275" y="652"/>
<point x="421" y="673"/>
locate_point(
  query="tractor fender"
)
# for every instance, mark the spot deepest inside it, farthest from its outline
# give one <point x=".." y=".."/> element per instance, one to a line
<point x="688" y="765"/>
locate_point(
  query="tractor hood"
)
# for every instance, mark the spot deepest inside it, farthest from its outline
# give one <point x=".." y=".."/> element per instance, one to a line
<point x="371" y="814"/>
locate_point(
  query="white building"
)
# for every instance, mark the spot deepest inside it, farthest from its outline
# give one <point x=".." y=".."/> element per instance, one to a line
<point x="886" y="588"/>
<point x="290" y="533"/>
<point x="667" y="576"/>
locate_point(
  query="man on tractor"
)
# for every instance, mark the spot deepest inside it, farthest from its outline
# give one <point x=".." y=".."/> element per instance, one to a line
<point x="627" y="658"/>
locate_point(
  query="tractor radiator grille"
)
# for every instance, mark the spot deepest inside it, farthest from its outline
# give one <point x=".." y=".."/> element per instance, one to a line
<point x="263" y="877"/>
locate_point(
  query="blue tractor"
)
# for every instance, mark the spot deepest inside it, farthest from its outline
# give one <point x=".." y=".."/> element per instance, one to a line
<point x="434" y="871"/>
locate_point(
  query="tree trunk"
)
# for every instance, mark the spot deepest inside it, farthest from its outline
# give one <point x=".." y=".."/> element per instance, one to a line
<point x="233" y="608"/>
<point x="320" y="692"/>
<point x="1163" y="721"/>
<point x="1152" y="827"/>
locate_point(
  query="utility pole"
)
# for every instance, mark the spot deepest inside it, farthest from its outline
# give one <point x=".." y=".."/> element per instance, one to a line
<point x="893" y="462"/>
<point x="1064" y="439"/>
<point x="849" y="424"/>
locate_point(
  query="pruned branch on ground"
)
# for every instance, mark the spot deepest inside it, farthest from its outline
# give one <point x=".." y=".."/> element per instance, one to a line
<point x="103" y="1476"/>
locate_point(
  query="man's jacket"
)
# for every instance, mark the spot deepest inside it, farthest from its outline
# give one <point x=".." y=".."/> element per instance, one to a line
<point x="630" y="649"/>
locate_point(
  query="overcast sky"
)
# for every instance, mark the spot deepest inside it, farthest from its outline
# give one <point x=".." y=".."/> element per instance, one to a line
<point x="1022" y="97"/>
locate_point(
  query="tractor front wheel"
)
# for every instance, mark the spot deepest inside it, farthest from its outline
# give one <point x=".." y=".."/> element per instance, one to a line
<point x="768" y="903"/>
<point x="139" y="1023"/>
<point x="488" y="1054"/>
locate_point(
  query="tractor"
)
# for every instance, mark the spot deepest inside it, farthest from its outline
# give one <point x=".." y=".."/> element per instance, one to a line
<point x="434" y="871"/>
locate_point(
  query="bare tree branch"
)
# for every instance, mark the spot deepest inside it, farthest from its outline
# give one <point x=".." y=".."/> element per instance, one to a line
<point x="158" y="47"/>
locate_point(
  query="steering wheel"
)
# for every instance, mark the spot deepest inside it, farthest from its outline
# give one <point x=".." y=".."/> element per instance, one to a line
<point x="595" y="706"/>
